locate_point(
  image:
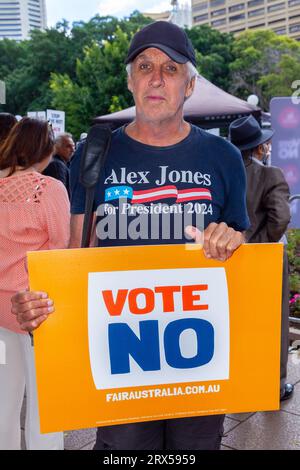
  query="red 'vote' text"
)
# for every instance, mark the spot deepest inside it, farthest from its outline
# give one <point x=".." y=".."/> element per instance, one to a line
<point x="190" y="299"/>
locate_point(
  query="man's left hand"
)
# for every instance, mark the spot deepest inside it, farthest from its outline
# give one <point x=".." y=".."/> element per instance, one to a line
<point x="218" y="240"/>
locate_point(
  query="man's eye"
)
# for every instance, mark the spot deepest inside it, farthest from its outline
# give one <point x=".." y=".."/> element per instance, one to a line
<point x="171" y="68"/>
<point x="144" y="66"/>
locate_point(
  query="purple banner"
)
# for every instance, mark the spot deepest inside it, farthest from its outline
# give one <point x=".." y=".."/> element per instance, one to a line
<point x="285" y="115"/>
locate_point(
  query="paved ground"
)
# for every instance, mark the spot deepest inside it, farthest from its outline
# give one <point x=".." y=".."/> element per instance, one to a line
<point x="278" y="430"/>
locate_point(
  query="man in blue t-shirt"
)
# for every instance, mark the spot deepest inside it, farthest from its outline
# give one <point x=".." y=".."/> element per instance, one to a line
<point x="164" y="181"/>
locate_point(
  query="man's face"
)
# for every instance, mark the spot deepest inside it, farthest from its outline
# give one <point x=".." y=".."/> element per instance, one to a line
<point x="65" y="148"/>
<point x="159" y="86"/>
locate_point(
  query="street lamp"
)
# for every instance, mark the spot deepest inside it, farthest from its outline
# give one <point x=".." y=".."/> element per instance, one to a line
<point x="253" y="100"/>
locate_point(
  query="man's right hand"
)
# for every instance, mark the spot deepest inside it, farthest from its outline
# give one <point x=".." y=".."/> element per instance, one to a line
<point x="31" y="309"/>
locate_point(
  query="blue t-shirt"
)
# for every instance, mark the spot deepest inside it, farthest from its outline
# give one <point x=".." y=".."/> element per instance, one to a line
<point x="148" y="194"/>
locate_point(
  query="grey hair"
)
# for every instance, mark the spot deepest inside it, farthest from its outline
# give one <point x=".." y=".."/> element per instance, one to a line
<point x="192" y="71"/>
<point x="62" y="136"/>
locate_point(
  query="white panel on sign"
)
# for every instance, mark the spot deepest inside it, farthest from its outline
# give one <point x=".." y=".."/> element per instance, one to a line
<point x="158" y="327"/>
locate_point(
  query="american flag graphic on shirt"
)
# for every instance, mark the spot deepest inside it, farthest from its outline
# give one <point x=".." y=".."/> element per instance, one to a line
<point x="157" y="194"/>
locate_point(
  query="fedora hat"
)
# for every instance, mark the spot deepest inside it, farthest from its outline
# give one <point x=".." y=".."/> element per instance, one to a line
<point x="245" y="133"/>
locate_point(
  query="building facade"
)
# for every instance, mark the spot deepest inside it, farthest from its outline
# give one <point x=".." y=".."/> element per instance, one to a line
<point x="19" y="17"/>
<point x="180" y="14"/>
<point x="164" y="16"/>
<point x="236" y="16"/>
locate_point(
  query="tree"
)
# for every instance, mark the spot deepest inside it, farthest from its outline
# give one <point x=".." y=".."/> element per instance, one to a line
<point x="27" y="67"/>
<point x="100" y="84"/>
<point x="265" y="65"/>
<point x="28" y="82"/>
<point x="75" y="100"/>
<point x="103" y="28"/>
<point x="214" y="53"/>
<point x="11" y="55"/>
<point x="279" y="82"/>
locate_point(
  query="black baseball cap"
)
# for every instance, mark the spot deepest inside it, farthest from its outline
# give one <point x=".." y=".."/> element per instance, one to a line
<point x="165" y="36"/>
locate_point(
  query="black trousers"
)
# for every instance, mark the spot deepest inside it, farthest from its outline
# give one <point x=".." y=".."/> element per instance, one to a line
<point x="199" y="433"/>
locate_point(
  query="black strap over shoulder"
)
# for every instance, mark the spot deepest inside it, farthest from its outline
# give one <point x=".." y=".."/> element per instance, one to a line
<point x="93" y="158"/>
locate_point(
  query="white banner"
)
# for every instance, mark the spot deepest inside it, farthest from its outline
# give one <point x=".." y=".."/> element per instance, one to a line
<point x="57" y="119"/>
<point x="37" y="115"/>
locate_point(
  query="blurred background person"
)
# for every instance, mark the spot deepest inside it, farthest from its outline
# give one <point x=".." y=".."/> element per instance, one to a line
<point x="58" y="168"/>
<point x="82" y="138"/>
<point x="269" y="212"/>
<point x="7" y="122"/>
<point x="34" y="211"/>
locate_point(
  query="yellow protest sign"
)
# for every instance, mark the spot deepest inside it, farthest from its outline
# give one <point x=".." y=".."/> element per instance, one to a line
<point x="156" y="332"/>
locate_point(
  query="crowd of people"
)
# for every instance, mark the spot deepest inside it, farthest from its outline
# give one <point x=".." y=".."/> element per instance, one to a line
<point x="39" y="173"/>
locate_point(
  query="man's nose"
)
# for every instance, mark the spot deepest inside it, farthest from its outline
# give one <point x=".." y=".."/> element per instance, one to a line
<point x="156" y="79"/>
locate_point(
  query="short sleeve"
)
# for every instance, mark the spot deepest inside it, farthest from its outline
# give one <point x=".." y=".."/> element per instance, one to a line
<point x="77" y="190"/>
<point x="56" y="209"/>
<point x="235" y="213"/>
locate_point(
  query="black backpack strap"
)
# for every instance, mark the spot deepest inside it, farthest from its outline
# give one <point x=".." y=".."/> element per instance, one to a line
<point x="93" y="158"/>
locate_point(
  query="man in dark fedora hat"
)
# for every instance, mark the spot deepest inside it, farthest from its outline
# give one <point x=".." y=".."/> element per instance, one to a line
<point x="269" y="212"/>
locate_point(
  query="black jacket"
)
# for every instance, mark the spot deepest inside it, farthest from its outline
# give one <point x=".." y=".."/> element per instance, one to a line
<point x="59" y="170"/>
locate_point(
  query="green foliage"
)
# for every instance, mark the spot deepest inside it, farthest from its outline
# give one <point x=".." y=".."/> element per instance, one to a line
<point x="101" y="28"/>
<point x="64" y="65"/>
<point x="279" y="82"/>
<point x="80" y="67"/>
<point x="11" y="55"/>
<point x="214" y="53"/>
<point x="99" y="86"/>
<point x="264" y="64"/>
<point x="115" y="104"/>
<point x="74" y="100"/>
<point x="28" y="83"/>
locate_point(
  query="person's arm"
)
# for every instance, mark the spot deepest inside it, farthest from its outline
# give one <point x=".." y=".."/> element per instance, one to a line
<point x="276" y="204"/>
<point x="31" y="308"/>
<point x="220" y="240"/>
<point x="78" y="202"/>
<point x="56" y="214"/>
<point x="234" y="212"/>
<point x="76" y="231"/>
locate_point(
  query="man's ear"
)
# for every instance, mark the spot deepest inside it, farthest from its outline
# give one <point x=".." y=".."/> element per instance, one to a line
<point x="190" y="88"/>
<point x="129" y="83"/>
<point x="260" y="150"/>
